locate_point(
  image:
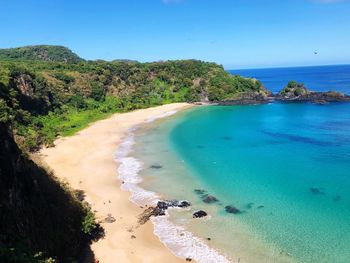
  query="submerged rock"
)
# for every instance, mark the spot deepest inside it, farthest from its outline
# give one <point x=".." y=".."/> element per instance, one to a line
<point x="226" y="138"/>
<point x="316" y="191"/>
<point x="260" y="206"/>
<point x="199" y="214"/>
<point x="199" y="191"/>
<point x="209" y="199"/>
<point x="250" y="205"/>
<point x="156" y="166"/>
<point x="232" y="210"/>
<point x="337" y="198"/>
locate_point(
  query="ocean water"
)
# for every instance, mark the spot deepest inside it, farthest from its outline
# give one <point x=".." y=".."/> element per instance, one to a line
<point x="319" y="78"/>
<point x="286" y="167"/>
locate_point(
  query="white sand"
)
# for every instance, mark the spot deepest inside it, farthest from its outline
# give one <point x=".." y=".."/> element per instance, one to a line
<point x="86" y="162"/>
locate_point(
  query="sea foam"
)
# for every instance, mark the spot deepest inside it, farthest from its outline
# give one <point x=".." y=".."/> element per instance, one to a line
<point x="180" y="241"/>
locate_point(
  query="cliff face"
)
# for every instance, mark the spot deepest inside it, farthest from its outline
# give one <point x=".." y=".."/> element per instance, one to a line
<point x="36" y="213"/>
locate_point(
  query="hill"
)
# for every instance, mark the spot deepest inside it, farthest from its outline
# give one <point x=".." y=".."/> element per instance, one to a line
<point x="40" y="52"/>
<point x="44" y="93"/>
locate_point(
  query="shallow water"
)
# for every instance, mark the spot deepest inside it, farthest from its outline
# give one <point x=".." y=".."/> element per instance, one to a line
<point x="286" y="167"/>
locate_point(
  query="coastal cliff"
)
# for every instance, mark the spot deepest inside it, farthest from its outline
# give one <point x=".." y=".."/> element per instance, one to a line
<point x="297" y="92"/>
<point x="48" y="91"/>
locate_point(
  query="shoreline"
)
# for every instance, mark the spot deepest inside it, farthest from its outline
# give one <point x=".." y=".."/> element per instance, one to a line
<point x="85" y="161"/>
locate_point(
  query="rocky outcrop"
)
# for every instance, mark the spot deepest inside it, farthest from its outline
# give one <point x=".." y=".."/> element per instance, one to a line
<point x="160" y="209"/>
<point x="297" y="92"/>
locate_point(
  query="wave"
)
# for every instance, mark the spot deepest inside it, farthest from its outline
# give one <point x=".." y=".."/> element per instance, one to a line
<point x="180" y="241"/>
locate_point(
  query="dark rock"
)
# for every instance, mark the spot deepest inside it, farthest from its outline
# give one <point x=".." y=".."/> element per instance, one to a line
<point x="209" y="199"/>
<point x="109" y="219"/>
<point x="260" y="206"/>
<point x="160" y="209"/>
<point x="316" y="191"/>
<point x="184" y="204"/>
<point x="133" y="236"/>
<point x="208" y="238"/>
<point x="188" y="259"/>
<point x="226" y="138"/>
<point x="199" y="214"/>
<point x="156" y="166"/>
<point x="250" y="97"/>
<point x="232" y="210"/>
<point x="172" y="203"/>
<point x="297" y="92"/>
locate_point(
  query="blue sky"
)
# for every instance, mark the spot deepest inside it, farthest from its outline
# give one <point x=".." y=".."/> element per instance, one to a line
<point x="235" y="33"/>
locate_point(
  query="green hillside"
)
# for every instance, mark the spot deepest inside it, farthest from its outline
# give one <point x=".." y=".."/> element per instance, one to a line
<point x="48" y="91"/>
<point x="40" y="52"/>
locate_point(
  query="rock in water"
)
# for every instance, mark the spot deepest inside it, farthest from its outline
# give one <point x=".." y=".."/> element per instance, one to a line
<point x="232" y="210"/>
<point x="156" y="166"/>
<point x="199" y="214"/>
<point x="316" y="191"/>
<point x="209" y="199"/>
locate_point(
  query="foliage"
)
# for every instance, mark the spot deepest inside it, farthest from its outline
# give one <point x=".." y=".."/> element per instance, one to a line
<point x="89" y="223"/>
<point x="294" y="88"/>
<point x="40" y="52"/>
<point x="51" y="98"/>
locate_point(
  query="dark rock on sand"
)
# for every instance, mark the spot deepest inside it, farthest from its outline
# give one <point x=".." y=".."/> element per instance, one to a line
<point x="188" y="259"/>
<point x="199" y="214"/>
<point x="209" y="199"/>
<point x="316" y="191"/>
<point x="109" y="219"/>
<point x="232" y="210"/>
<point x="160" y="209"/>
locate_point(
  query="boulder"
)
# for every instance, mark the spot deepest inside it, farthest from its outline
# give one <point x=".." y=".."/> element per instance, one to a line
<point x="199" y="214"/>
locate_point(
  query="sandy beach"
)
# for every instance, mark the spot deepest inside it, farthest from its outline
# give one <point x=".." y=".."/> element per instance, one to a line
<point x="86" y="162"/>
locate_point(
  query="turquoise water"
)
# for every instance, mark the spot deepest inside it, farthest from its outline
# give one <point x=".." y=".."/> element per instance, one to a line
<point x="286" y="167"/>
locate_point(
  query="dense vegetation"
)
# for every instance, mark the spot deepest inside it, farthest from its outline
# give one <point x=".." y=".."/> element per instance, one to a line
<point x="48" y="91"/>
<point x="294" y="89"/>
<point x="48" y="99"/>
<point x="41" y="52"/>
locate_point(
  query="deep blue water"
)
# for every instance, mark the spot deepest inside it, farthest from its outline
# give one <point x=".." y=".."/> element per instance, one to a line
<point x="318" y="78"/>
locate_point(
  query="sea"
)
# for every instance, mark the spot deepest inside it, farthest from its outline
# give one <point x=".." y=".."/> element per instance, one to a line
<point x="278" y="175"/>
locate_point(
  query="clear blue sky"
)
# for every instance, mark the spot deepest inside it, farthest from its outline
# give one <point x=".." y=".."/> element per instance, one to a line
<point x="235" y="33"/>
